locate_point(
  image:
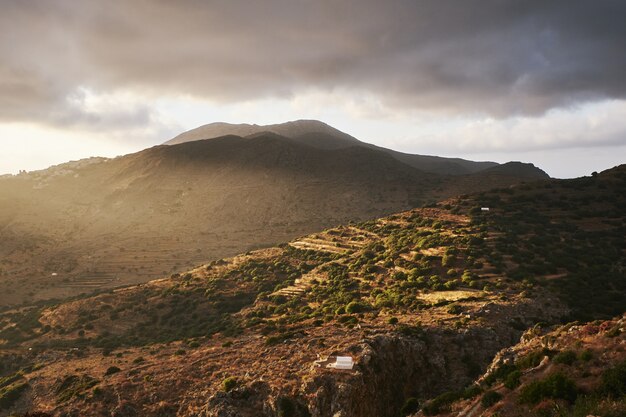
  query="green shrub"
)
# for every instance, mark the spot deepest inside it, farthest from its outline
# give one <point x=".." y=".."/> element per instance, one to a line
<point x="455" y="309"/>
<point x="450" y="285"/>
<point x="614" y="381"/>
<point x="411" y="405"/>
<point x="74" y="386"/>
<point x="512" y="380"/>
<point x="500" y="373"/>
<point x="472" y="391"/>
<point x="10" y="394"/>
<point x="112" y="370"/>
<point x="356" y="307"/>
<point x="399" y="276"/>
<point x="448" y="260"/>
<point x="274" y="340"/>
<point x="7" y="380"/>
<point x="441" y="403"/>
<point x="586" y="355"/>
<point x="285" y="407"/>
<point x="566" y="357"/>
<point x="490" y="398"/>
<point x="533" y="359"/>
<point x="229" y="383"/>
<point x="555" y="386"/>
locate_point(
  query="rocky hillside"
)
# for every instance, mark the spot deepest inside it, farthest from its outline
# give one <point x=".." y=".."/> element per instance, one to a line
<point x="422" y="301"/>
<point x="102" y="223"/>
<point x="578" y="369"/>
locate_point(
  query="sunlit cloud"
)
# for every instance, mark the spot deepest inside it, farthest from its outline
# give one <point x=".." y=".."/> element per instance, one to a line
<point x="477" y="79"/>
<point x="600" y="124"/>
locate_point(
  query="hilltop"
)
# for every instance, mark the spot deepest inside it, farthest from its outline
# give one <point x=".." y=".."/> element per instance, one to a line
<point x="298" y="130"/>
<point x="422" y="300"/>
<point x="320" y="135"/>
<point x="101" y="223"/>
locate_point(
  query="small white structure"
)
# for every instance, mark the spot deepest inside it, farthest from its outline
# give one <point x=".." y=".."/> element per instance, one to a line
<point x="484" y="209"/>
<point x="343" y="362"/>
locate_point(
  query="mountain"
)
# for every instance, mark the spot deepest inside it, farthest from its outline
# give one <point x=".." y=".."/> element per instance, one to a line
<point x="318" y="134"/>
<point x="429" y="303"/>
<point x="517" y="169"/>
<point x="101" y="223"/>
<point x="299" y="130"/>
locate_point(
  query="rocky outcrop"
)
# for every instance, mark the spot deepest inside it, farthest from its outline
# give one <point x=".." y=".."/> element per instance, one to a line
<point x="393" y="368"/>
<point x="390" y="369"/>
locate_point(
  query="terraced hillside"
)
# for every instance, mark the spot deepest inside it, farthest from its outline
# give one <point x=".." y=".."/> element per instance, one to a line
<point x="422" y="301"/>
<point x="102" y="223"/>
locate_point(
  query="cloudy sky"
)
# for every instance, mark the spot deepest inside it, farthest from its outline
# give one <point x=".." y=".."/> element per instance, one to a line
<point x="539" y="81"/>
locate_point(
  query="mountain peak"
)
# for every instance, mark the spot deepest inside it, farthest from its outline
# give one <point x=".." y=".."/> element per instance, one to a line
<point x="293" y="130"/>
<point x="519" y="169"/>
<point x="317" y="134"/>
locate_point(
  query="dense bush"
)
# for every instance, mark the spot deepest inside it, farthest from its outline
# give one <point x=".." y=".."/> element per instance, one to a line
<point x="10" y="394"/>
<point x="490" y="398"/>
<point x="512" y="380"/>
<point x="229" y="383"/>
<point x="285" y="407"/>
<point x="554" y="386"/>
<point x="74" y="386"/>
<point x="441" y="403"/>
<point x="614" y="381"/>
<point x="112" y="370"/>
<point x="410" y="406"/>
<point x="566" y="357"/>
<point x="533" y="358"/>
<point x="356" y="307"/>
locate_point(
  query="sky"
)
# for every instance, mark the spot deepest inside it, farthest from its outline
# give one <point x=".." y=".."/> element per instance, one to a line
<point x="531" y="80"/>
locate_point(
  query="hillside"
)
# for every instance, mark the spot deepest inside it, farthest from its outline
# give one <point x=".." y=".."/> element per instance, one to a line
<point x="421" y="300"/>
<point x="320" y="135"/>
<point x="102" y="223"/>
<point x="578" y="369"/>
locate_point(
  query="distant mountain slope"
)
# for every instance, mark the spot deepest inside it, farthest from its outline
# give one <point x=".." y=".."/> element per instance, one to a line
<point x="320" y="135"/>
<point x="101" y="223"/>
<point x="518" y="169"/>
<point x="294" y="129"/>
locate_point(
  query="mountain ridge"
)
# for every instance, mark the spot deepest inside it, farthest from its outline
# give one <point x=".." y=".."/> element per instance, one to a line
<point x="319" y="134"/>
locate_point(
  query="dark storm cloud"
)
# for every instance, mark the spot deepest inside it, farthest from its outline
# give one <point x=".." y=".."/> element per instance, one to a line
<point x="494" y="56"/>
